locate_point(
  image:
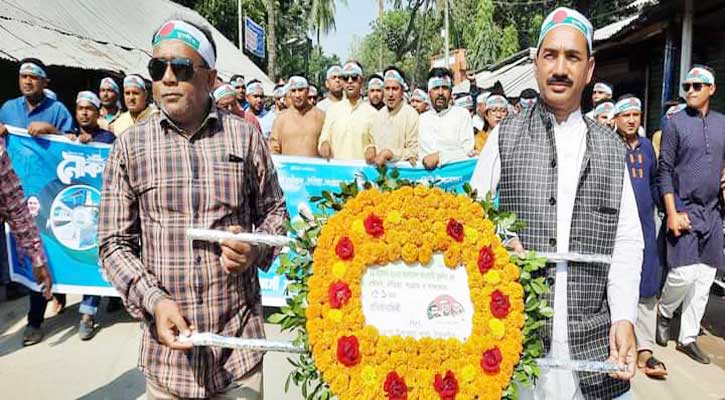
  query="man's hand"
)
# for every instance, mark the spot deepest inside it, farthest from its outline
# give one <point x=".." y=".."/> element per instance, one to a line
<point x="42" y="277"/>
<point x="678" y="223"/>
<point x="383" y="157"/>
<point x="431" y="161"/>
<point x="85" y="138"/>
<point x="238" y="256"/>
<point x="370" y="155"/>
<point x="72" y="136"/>
<point x="516" y="246"/>
<point x="170" y="324"/>
<point x="41" y="128"/>
<point x="3" y="130"/>
<point x="623" y="349"/>
<point x="326" y="150"/>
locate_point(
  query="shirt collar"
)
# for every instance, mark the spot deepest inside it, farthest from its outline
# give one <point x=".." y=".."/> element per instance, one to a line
<point x="574" y="119"/>
<point x="396" y="110"/>
<point x="212" y="116"/>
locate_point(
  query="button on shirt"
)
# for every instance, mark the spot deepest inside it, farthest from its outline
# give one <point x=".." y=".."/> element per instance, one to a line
<point x="624" y="271"/>
<point x="449" y="133"/>
<point x="348" y="129"/>
<point x="16" y="113"/>
<point x="160" y="181"/>
<point x="397" y="130"/>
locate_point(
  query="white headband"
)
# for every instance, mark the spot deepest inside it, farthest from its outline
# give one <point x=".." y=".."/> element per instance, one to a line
<point x="189" y="35"/>
<point x="90" y="97"/>
<point x="629" y="104"/>
<point x="603" y="87"/>
<point x="701" y="75"/>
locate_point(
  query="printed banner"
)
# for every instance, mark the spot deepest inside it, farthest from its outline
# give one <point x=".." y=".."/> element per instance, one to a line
<point x="254" y="38"/>
<point x="62" y="182"/>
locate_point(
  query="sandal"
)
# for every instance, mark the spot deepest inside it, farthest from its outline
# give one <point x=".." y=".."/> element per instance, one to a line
<point x="655" y="368"/>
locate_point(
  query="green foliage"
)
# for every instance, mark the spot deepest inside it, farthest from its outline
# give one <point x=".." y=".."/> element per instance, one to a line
<point x="296" y="266"/>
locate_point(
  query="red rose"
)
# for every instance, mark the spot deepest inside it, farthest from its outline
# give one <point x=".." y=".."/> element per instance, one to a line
<point x="348" y="351"/>
<point x="339" y="294"/>
<point x="374" y="225"/>
<point x="345" y="249"/>
<point x="447" y="387"/>
<point x="395" y="387"/>
<point x="485" y="259"/>
<point x="499" y="304"/>
<point x="491" y="361"/>
<point x="455" y="230"/>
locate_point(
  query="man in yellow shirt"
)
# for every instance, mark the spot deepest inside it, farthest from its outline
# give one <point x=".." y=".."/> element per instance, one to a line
<point x="136" y="99"/>
<point x="348" y="123"/>
<point x="395" y="129"/>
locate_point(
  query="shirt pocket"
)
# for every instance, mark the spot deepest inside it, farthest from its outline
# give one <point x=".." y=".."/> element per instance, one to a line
<point x="228" y="180"/>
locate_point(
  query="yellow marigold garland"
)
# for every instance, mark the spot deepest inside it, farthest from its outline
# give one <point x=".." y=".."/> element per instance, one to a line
<point x="411" y="224"/>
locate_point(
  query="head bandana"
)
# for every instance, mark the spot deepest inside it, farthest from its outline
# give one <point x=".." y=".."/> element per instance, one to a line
<point x="700" y="75"/>
<point x="563" y="16"/>
<point x="375" y="83"/>
<point x="420" y="95"/>
<point x="50" y="94"/>
<point x="238" y="82"/>
<point x="395" y="75"/>
<point x="297" y="82"/>
<point x="528" y="102"/>
<point x="29" y="68"/>
<point x="604" y="108"/>
<point x="629" y="104"/>
<point x="189" y="35"/>
<point x="133" y="80"/>
<point x="496" y="100"/>
<point x="351" y="69"/>
<point x="111" y="84"/>
<point x="465" y="102"/>
<point x="438" y="81"/>
<point x="313" y="91"/>
<point x="481" y="99"/>
<point x="89" y="97"/>
<point x="224" y="91"/>
<point x="603" y="87"/>
<point x="279" y="92"/>
<point x="335" y="70"/>
<point x="255" y="88"/>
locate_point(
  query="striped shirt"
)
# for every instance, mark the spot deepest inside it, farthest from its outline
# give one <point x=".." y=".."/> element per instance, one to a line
<point x="14" y="211"/>
<point x="158" y="182"/>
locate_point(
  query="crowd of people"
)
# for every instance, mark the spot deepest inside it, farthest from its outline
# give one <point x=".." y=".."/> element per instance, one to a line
<point x="193" y="150"/>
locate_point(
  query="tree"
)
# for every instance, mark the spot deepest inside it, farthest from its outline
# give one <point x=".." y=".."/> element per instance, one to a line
<point x="322" y="16"/>
<point x="272" y="42"/>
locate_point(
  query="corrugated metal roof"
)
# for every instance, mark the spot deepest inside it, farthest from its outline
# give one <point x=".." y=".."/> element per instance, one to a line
<point x="103" y="34"/>
<point x="612" y="29"/>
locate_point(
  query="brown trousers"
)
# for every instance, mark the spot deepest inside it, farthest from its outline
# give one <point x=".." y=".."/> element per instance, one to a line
<point x="248" y="387"/>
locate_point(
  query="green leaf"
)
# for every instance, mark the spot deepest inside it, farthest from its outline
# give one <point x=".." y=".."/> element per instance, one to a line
<point x="276" y="318"/>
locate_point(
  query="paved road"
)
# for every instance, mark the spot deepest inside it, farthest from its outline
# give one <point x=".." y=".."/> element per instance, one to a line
<point x="104" y="368"/>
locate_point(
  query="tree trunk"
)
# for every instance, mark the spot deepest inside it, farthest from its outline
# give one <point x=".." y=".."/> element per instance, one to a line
<point x="271" y="42"/>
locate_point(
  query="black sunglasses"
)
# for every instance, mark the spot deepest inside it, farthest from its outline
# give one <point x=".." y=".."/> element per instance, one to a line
<point x="697" y="86"/>
<point x="183" y="68"/>
<point x="354" y="77"/>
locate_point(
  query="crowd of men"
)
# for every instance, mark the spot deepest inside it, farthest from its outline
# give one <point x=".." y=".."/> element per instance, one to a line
<point x="193" y="150"/>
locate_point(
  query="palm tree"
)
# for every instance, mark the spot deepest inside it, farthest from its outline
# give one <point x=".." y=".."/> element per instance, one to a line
<point x="322" y="17"/>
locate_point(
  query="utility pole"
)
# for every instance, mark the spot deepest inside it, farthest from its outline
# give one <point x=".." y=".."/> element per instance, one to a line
<point x="380" y="21"/>
<point x="447" y="62"/>
<point x="239" y="15"/>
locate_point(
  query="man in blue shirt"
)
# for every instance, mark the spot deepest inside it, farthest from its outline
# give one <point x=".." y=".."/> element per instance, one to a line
<point x="691" y="166"/>
<point x="38" y="114"/>
<point x="255" y="99"/>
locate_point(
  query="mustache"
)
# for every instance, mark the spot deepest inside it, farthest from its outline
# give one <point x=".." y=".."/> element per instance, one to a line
<point x="440" y="97"/>
<point x="560" y="80"/>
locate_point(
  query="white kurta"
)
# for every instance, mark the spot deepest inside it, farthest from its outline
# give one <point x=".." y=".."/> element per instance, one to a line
<point x="448" y="133"/>
<point x="624" y="272"/>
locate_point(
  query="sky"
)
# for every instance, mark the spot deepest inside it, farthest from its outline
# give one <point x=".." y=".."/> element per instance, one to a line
<point x="353" y="19"/>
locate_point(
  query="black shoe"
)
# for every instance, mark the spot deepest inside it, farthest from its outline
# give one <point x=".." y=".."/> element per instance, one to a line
<point x="114" y="304"/>
<point x="694" y="351"/>
<point x="662" y="334"/>
<point x="32" y="335"/>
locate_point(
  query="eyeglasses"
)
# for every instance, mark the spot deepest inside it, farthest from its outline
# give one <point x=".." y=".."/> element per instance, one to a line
<point x="696" y="86"/>
<point x="354" y="77"/>
<point x="183" y="68"/>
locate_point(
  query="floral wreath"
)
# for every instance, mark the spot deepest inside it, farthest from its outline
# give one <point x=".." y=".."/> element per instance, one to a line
<point x="398" y="221"/>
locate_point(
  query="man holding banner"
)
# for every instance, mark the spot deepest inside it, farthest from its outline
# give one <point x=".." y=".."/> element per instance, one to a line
<point x="565" y="176"/>
<point x="190" y="165"/>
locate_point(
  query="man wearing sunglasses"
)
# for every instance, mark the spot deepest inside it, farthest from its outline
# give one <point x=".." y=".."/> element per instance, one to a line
<point x="692" y="156"/>
<point x="190" y="165"/>
<point x="312" y="97"/>
<point x="334" y="85"/>
<point x="296" y="131"/>
<point x="348" y="123"/>
<point x="137" y="102"/>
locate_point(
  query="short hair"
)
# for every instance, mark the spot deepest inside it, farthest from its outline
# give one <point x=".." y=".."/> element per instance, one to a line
<point x="529" y="94"/>
<point x="625" y="97"/>
<point x="255" y="80"/>
<point x="394" y="68"/>
<point x="371" y="77"/>
<point x="440" y="72"/>
<point x="205" y="30"/>
<point x="235" y="77"/>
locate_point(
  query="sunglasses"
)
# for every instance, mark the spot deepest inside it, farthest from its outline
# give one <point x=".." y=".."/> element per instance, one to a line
<point x="183" y="68"/>
<point x="696" y="86"/>
<point x="354" y="77"/>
